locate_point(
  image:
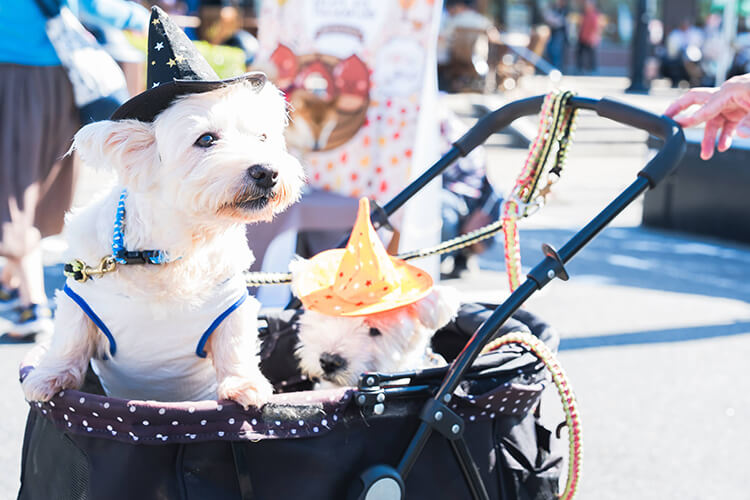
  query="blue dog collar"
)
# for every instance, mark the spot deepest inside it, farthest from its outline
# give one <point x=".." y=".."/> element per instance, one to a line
<point x="123" y="256"/>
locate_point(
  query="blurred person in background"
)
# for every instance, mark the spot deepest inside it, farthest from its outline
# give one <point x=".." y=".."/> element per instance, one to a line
<point x="589" y="36"/>
<point x="712" y="49"/>
<point x="113" y="40"/>
<point x="683" y="54"/>
<point x="556" y="17"/>
<point x="222" y="24"/>
<point x="38" y="118"/>
<point x="468" y="200"/>
<point x="741" y="62"/>
<point x="461" y="24"/>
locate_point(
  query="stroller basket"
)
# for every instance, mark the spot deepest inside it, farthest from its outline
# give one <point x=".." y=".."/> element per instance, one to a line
<point x="470" y="430"/>
<point x="82" y="444"/>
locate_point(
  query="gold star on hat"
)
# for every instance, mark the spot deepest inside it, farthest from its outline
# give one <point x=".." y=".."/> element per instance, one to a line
<point x="177" y="68"/>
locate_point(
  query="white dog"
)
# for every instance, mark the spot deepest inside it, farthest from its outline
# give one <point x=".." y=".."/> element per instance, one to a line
<point x="336" y="350"/>
<point x="207" y="165"/>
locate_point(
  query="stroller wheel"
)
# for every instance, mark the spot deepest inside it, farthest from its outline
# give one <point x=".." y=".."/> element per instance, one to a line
<point x="380" y="482"/>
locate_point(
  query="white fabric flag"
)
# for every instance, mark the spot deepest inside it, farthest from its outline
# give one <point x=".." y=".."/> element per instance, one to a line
<point x="360" y="77"/>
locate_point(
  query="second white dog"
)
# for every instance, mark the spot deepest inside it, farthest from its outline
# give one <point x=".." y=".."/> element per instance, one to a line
<point x="366" y="310"/>
<point x="337" y="350"/>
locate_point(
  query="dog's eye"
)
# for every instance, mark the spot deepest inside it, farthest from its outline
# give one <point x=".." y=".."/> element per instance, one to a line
<point x="374" y="332"/>
<point x="262" y="137"/>
<point x="206" y="140"/>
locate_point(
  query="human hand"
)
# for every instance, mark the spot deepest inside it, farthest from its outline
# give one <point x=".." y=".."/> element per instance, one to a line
<point x="725" y="109"/>
<point x="18" y="237"/>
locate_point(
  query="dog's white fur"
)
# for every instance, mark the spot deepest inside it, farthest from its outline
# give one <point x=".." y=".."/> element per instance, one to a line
<point x="182" y="199"/>
<point x="403" y="343"/>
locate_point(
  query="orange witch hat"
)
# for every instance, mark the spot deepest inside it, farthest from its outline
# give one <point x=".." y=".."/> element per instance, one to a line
<point x="360" y="279"/>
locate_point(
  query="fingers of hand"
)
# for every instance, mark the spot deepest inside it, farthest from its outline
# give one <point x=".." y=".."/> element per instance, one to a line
<point x="694" y="96"/>
<point x="709" y="138"/>
<point x="711" y="109"/>
<point x="725" y="138"/>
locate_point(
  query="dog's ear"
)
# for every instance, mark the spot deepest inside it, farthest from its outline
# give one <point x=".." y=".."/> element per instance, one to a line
<point x="128" y="146"/>
<point x="297" y="267"/>
<point x="438" y="308"/>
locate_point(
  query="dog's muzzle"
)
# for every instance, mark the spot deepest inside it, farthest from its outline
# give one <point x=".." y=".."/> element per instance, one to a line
<point x="331" y="363"/>
<point x="263" y="176"/>
<point x="258" y="190"/>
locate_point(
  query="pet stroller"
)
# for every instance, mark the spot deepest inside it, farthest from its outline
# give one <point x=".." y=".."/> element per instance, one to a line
<point x="469" y="430"/>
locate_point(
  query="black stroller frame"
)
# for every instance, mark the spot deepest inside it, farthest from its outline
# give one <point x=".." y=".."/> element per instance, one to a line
<point x="436" y="414"/>
<point x="437" y="385"/>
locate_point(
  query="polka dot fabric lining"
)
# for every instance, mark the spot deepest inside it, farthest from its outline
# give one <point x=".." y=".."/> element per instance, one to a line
<point x="509" y="399"/>
<point x="286" y="416"/>
<point x="313" y="413"/>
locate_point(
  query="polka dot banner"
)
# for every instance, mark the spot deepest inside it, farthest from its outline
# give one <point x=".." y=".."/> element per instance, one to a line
<point x="355" y="77"/>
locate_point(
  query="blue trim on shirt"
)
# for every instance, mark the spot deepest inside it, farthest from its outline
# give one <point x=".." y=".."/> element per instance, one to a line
<point x="199" y="350"/>
<point x="91" y="314"/>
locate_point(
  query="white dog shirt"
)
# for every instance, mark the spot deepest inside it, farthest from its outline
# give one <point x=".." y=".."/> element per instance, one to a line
<point x="177" y="370"/>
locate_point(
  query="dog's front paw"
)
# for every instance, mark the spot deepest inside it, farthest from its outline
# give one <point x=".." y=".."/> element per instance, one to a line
<point x="41" y="385"/>
<point x="246" y="391"/>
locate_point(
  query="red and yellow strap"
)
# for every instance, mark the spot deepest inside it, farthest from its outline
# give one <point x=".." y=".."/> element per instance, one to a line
<point x="567" y="398"/>
<point x="555" y="127"/>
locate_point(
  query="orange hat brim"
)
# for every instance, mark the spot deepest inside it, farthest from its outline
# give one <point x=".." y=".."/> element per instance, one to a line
<point x="315" y="287"/>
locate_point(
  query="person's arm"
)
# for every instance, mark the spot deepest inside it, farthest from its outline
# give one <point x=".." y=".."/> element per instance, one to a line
<point x="725" y="109"/>
<point x="120" y="14"/>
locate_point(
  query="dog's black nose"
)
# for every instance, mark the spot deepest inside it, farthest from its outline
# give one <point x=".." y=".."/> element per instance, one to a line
<point x="263" y="175"/>
<point x="331" y="362"/>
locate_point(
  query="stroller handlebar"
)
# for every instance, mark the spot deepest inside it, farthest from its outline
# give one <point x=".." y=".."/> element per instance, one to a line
<point x="660" y="126"/>
<point x="552" y="265"/>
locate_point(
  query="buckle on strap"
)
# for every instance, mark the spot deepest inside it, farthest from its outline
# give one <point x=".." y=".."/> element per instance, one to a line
<point x="81" y="272"/>
<point x="139" y="257"/>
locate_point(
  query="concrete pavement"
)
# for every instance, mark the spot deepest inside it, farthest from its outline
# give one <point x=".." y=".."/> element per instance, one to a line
<point x="655" y="325"/>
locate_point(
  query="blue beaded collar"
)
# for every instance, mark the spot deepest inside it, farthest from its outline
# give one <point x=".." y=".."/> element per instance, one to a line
<point x="123" y="256"/>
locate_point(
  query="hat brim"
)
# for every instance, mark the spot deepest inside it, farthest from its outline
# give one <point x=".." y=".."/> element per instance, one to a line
<point x="149" y="103"/>
<point x="315" y="287"/>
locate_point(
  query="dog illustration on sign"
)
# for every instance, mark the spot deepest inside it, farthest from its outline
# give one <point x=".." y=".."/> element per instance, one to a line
<point x="172" y="321"/>
<point x="329" y="97"/>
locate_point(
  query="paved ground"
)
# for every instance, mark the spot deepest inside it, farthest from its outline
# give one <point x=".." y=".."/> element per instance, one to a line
<point x="655" y="326"/>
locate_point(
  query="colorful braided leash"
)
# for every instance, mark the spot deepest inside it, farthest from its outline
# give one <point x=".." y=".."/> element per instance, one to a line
<point x="556" y="124"/>
<point x="567" y="398"/>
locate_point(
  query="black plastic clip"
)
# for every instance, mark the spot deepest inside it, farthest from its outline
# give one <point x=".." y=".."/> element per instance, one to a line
<point x="442" y="419"/>
<point x="369" y="380"/>
<point x="550" y="268"/>
<point x="369" y="393"/>
<point x="371" y="398"/>
<point x="138" y="257"/>
<point x="378" y="217"/>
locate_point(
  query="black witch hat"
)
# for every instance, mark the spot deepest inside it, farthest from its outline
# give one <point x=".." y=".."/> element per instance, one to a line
<point x="175" y="68"/>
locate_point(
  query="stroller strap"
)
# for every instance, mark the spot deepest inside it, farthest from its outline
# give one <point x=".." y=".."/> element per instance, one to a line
<point x="556" y="124"/>
<point x="567" y="398"/>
